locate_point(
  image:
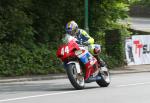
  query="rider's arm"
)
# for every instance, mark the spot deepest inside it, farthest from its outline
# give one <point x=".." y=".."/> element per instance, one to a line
<point x="90" y="39"/>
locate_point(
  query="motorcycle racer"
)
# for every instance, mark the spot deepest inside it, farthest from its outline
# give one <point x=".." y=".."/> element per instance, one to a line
<point x="83" y="38"/>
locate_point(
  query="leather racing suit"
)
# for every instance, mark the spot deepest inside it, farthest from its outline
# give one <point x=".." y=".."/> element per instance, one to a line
<point x="84" y="39"/>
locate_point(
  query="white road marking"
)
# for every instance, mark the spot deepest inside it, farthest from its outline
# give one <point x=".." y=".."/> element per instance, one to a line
<point x="35" y="96"/>
<point x="126" y="85"/>
<point x="67" y="92"/>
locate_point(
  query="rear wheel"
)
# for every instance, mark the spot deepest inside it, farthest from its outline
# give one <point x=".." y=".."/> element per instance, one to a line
<point x="105" y="77"/>
<point x="76" y="79"/>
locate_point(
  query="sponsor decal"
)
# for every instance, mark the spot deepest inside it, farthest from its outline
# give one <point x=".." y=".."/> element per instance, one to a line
<point x="138" y="47"/>
<point x="146" y="49"/>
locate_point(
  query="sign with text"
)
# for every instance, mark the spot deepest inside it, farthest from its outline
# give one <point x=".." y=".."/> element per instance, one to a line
<point x="138" y="50"/>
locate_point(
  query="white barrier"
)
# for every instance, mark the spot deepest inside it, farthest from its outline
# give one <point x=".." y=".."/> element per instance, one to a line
<point x="138" y="50"/>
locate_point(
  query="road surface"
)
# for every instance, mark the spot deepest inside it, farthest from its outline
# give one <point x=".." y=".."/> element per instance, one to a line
<point x="125" y="88"/>
<point x="142" y="24"/>
<point x="138" y="23"/>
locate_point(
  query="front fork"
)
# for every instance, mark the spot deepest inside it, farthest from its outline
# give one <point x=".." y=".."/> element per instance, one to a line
<point x="78" y="67"/>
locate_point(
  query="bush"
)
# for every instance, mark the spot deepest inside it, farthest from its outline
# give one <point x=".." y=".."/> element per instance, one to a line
<point x="16" y="60"/>
<point x="113" y="46"/>
<point x="110" y="61"/>
<point x="26" y="23"/>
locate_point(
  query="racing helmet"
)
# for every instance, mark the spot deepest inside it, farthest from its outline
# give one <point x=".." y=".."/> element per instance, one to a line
<point x="72" y="28"/>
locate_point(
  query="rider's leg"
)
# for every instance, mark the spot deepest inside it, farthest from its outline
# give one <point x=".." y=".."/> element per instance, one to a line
<point x="95" y="50"/>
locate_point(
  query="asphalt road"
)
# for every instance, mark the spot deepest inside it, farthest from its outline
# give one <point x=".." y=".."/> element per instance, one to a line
<point x="124" y="88"/>
<point x="138" y="23"/>
<point x="142" y="24"/>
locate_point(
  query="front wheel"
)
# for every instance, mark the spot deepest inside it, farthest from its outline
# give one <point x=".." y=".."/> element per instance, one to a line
<point x="105" y="77"/>
<point x="76" y="79"/>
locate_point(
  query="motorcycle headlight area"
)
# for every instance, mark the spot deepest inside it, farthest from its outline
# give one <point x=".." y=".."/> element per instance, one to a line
<point x="78" y="52"/>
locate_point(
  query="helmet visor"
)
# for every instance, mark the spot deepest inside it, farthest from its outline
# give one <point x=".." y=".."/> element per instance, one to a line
<point x="71" y="32"/>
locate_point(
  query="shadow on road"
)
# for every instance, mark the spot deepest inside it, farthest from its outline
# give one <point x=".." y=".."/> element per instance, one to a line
<point x="37" y="87"/>
<point x="34" y="87"/>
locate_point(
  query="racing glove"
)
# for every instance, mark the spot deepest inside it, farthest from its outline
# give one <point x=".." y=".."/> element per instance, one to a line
<point x="86" y="43"/>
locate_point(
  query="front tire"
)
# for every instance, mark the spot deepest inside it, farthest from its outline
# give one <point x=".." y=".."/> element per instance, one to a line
<point x="105" y="77"/>
<point x="76" y="79"/>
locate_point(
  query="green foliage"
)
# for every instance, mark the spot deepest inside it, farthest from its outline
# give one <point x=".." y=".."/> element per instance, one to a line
<point x="50" y="17"/>
<point x="142" y="2"/>
<point x="110" y="61"/>
<point x="114" y="42"/>
<point x="140" y="8"/>
<point x="30" y="31"/>
<point x="15" y="24"/>
<point x="103" y="22"/>
<point x="16" y="60"/>
<point x="105" y="13"/>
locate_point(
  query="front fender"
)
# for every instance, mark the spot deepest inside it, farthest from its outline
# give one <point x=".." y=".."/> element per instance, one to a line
<point x="76" y="64"/>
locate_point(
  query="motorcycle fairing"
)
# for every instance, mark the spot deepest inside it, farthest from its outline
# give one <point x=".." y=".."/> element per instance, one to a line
<point x="89" y="61"/>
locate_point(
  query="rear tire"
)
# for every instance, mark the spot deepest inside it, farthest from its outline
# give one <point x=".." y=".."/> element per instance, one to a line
<point x="77" y="80"/>
<point x="105" y="77"/>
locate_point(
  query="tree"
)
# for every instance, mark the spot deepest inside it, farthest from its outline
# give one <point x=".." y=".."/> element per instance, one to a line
<point x="30" y="30"/>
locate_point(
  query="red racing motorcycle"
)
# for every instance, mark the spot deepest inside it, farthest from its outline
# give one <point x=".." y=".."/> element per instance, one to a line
<point x="81" y="66"/>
